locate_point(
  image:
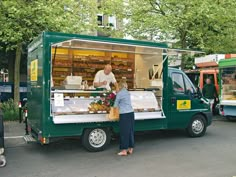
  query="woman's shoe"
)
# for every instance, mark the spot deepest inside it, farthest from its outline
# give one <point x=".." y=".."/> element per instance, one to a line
<point x="130" y="151"/>
<point x="122" y="153"/>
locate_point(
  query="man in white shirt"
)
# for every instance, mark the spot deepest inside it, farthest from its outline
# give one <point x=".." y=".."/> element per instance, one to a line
<point x="104" y="78"/>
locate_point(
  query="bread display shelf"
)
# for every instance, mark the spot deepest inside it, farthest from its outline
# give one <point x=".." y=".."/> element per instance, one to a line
<point x="87" y="63"/>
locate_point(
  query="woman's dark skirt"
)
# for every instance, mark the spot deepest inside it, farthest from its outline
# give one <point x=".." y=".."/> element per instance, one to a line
<point x="126" y="124"/>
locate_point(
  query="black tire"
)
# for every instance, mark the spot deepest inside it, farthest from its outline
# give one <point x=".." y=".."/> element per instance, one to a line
<point x="231" y="119"/>
<point x="96" y="139"/>
<point x="197" y="126"/>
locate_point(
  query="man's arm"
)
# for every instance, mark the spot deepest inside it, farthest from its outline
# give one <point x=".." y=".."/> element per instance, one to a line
<point x="203" y="91"/>
<point x="99" y="84"/>
<point x="117" y="100"/>
<point x="115" y="82"/>
<point x="116" y="86"/>
<point x="96" y="82"/>
<point x="215" y="92"/>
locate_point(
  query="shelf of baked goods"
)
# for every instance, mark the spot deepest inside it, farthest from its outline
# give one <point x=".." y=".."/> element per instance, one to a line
<point x="63" y="63"/>
<point x="92" y="58"/>
<point x="86" y="65"/>
<point x="93" y="68"/>
<point x="92" y="65"/>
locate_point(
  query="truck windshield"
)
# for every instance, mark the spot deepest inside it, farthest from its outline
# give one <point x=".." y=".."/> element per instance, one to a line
<point x="182" y="84"/>
<point x="189" y="85"/>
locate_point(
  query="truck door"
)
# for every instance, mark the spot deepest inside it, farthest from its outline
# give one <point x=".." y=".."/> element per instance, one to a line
<point x="183" y="105"/>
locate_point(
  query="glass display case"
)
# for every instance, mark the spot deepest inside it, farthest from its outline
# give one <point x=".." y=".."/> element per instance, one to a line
<point x="228" y="79"/>
<point x="74" y="106"/>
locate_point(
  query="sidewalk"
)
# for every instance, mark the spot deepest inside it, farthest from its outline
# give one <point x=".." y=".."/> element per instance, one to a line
<point x="13" y="134"/>
<point x="14" y="128"/>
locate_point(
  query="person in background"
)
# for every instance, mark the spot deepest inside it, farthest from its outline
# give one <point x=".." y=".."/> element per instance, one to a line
<point x="126" y="123"/>
<point x="104" y="78"/>
<point x="209" y="92"/>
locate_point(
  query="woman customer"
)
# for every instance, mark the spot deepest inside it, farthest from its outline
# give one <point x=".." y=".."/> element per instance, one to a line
<point x="126" y="123"/>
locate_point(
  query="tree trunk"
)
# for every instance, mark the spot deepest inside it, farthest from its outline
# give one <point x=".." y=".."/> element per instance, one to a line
<point x="11" y="68"/>
<point x="17" y="73"/>
<point x="183" y="46"/>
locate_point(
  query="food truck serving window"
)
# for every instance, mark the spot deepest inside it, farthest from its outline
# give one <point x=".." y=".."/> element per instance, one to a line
<point x="83" y="58"/>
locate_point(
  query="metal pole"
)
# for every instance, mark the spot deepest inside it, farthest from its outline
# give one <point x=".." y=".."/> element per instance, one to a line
<point x="1" y="130"/>
<point x="20" y="112"/>
<point x="26" y="122"/>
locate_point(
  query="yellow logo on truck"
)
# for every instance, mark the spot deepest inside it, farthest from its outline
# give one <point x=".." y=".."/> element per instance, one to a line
<point x="183" y="104"/>
<point x="34" y="70"/>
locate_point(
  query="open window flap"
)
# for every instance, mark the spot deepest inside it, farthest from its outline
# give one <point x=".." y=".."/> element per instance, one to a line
<point x="109" y="46"/>
<point x="123" y="47"/>
<point x="173" y="52"/>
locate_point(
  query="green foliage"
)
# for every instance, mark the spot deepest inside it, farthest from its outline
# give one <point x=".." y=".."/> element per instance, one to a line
<point x="22" y="20"/>
<point x="197" y="24"/>
<point x="10" y="110"/>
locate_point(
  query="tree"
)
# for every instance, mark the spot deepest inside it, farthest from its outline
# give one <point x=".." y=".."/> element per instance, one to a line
<point x="190" y="23"/>
<point x="22" y="20"/>
<point x="196" y="24"/>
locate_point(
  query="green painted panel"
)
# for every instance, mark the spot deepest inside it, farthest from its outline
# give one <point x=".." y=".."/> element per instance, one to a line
<point x="58" y="37"/>
<point x="35" y="87"/>
<point x="178" y="117"/>
<point x="227" y="62"/>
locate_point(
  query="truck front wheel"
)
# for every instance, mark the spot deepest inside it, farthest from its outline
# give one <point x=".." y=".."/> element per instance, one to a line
<point x="197" y="126"/>
<point x="96" y="139"/>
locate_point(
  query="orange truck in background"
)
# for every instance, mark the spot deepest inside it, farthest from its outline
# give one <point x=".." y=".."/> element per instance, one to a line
<point x="199" y="76"/>
<point x="207" y="68"/>
<point x="212" y="74"/>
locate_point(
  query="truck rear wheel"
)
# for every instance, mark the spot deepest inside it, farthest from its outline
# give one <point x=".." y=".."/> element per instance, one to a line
<point x="197" y="126"/>
<point x="96" y="139"/>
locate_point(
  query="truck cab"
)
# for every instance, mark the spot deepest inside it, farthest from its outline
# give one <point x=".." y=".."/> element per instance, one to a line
<point x="185" y="100"/>
<point x="212" y="74"/>
<point x="199" y="76"/>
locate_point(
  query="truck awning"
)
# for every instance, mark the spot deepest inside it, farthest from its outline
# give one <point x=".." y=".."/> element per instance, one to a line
<point x="110" y="46"/>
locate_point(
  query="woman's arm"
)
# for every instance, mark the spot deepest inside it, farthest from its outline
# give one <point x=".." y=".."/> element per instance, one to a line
<point x="117" y="100"/>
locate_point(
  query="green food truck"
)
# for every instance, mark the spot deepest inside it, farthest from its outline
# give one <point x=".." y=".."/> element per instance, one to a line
<point x="228" y="88"/>
<point x="62" y="101"/>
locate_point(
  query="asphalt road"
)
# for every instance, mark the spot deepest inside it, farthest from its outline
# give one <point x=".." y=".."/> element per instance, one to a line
<point x="159" y="154"/>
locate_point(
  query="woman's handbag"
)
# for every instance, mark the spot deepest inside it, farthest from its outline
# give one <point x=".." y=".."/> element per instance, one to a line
<point x="113" y="114"/>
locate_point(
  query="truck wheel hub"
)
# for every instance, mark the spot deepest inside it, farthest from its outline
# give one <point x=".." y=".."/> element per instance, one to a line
<point x="197" y="126"/>
<point x="97" y="138"/>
